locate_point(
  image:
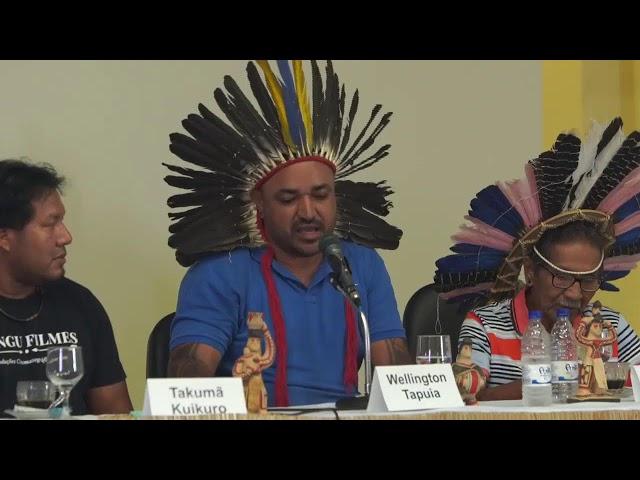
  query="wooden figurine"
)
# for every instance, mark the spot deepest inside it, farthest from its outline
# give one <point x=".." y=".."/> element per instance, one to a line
<point x="469" y="377"/>
<point x="592" y="383"/>
<point x="250" y="365"/>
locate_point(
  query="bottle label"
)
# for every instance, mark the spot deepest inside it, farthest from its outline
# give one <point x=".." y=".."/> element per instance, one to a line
<point x="536" y="374"/>
<point x="565" y="371"/>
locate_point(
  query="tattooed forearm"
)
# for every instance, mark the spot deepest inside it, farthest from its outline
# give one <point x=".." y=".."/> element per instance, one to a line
<point x="392" y="351"/>
<point x="193" y="360"/>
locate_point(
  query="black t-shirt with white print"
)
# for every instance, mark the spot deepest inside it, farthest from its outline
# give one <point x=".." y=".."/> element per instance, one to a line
<point x="70" y="315"/>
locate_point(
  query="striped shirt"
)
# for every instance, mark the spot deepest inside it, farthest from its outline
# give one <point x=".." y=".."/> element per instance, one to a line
<point x="496" y="331"/>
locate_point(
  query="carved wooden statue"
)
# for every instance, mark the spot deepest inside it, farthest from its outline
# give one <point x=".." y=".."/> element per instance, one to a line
<point x="592" y="383"/>
<point x="469" y="377"/>
<point x="250" y="365"/>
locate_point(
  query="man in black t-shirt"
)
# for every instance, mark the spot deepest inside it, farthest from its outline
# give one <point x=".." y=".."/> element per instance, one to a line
<point x="39" y="308"/>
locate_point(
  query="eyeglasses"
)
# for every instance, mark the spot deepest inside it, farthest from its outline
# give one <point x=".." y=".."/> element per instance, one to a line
<point x="564" y="281"/>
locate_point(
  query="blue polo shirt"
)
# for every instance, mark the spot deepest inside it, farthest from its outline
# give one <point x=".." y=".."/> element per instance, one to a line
<point x="217" y="293"/>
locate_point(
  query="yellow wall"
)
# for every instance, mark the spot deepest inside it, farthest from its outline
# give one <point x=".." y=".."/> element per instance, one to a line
<point x="457" y="126"/>
<point x="577" y="92"/>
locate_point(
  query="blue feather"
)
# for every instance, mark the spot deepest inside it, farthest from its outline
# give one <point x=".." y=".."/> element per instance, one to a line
<point x="493" y="208"/>
<point x="469" y="263"/>
<point x="474" y="249"/>
<point x="614" y="275"/>
<point x="610" y="277"/>
<point x="609" y="287"/>
<point x="296" y="125"/>
<point x="627" y="238"/>
<point x="628" y="208"/>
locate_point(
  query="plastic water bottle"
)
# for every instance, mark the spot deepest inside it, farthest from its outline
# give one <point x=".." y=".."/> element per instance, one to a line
<point x="564" y="358"/>
<point x="536" y="363"/>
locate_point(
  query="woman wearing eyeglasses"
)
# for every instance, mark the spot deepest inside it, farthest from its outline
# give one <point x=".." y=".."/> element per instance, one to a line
<point x="571" y="226"/>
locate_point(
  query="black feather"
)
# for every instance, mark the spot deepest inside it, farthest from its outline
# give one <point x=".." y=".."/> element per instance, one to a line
<point x="372" y="196"/>
<point x="262" y="96"/>
<point x="622" y="164"/>
<point x="355" y="143"/>
<point x="553" y="170"/>
<point x="446" y="282"/>
<point x="347" y="129"/>
<point x="319" y="126"/>
<point x="364" y="227"/>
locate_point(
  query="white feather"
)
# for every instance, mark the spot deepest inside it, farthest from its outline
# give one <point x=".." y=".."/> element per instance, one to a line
<point x="588" y="150"/>
<point x="590" y="165"/>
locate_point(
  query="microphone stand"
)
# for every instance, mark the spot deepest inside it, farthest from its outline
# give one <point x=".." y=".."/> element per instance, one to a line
<point x="361" y="402"/>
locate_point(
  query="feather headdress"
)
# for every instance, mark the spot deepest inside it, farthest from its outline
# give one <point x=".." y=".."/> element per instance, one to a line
<point x="236" y="157"/>
<point x="597" y="181"/>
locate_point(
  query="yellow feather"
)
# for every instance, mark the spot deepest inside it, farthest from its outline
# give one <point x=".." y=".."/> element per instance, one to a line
<point x="303" y="100"/>
<point x="276" y="94"/>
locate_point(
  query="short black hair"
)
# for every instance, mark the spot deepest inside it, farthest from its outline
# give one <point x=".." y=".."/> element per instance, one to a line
<point x="576" y="230"/>
<point x="20" y="184"/>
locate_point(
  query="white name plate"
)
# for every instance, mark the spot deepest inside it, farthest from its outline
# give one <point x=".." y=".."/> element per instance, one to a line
<point x="193" y="396"/>
<point x="635" y="382"/>
<point x="413" y="387"/>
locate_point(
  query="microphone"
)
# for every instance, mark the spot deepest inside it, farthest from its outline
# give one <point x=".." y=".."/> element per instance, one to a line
<point x="330" y="248"/>
<point x="343" y="282"/>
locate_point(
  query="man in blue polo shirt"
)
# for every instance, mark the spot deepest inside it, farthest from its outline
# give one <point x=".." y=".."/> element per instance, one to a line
<point x="264" y="219"/>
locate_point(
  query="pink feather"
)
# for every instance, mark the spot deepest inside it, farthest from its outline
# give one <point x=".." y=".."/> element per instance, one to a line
<point x="483" y="235"/>
<point x="629" y="223"/>
<point x="625" y="190"/>
<point x="621" y="262"/>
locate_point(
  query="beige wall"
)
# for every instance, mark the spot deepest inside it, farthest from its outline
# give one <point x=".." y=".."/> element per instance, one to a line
<point x="457" y="126"/>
